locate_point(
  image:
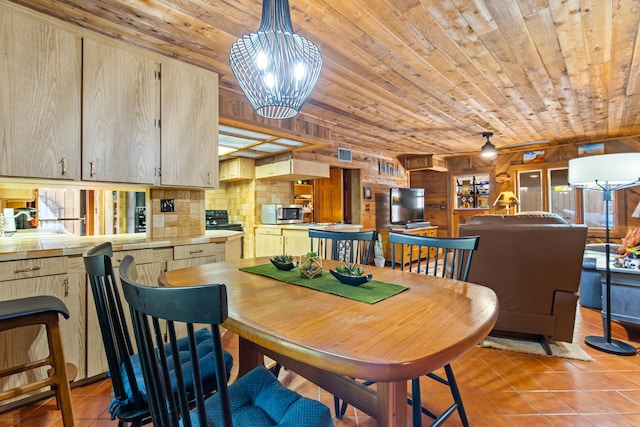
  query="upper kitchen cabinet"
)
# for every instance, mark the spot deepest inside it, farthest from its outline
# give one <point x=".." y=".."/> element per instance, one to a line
<point x="292" y="170"/>
<point x="40" y="98"/>
<point x="120" y="134"/>
<point x="237" y="170"/>
<point x="189" y="128"/>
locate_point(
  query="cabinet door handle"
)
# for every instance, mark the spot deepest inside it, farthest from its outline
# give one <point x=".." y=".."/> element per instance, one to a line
<point x="209" y="178"/>
<point x="26" y="270"/>
<point x="92" y="169"/>
<point x="63" y="165"/>
<point x="199" y="251"/>
<point x="65" y="284"/>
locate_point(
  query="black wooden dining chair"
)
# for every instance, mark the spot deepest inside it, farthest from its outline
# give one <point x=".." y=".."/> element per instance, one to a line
<point x="348" y="246"/>
<point x="443" y="257"/>
<point x="130" y="402"/>
<point x="255" y="399"/>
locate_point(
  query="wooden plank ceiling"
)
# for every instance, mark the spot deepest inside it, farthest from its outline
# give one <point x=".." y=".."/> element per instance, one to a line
<point x="420" y="76"/>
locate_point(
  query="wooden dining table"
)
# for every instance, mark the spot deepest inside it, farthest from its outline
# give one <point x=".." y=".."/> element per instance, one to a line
<point x="330" y="340"/>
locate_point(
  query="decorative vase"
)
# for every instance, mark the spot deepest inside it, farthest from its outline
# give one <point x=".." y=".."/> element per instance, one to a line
<point x="379" y="262"/>
<point x="310" y="267"/>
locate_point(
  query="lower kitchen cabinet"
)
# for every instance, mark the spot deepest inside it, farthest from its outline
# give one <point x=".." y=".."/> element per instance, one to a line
<point x="296" y="242"/>
<point x="34" y="277"/>
<point x="269" y="241"/>
<point x="197" y="254"/>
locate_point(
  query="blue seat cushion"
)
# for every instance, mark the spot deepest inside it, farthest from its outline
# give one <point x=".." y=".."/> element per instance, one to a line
<point x="204" y="343"/>
<point x="259" y="400"/>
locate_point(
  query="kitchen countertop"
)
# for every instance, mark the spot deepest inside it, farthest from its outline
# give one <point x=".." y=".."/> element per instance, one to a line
<point x="24" y="246"/>
<point x="317" y="225"/>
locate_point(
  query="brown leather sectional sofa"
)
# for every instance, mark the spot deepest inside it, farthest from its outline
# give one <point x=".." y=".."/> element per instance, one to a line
<point x="533" y="262"/>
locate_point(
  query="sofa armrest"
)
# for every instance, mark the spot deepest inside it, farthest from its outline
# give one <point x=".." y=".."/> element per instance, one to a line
<point x="564" y="311"/>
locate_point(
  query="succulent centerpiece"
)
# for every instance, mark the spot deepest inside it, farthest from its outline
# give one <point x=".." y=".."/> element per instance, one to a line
<point x="283" y="262"/>
<point x="351" y="274"/>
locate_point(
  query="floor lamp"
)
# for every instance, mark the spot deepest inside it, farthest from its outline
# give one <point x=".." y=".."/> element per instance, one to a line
<point x="606" y="172"/>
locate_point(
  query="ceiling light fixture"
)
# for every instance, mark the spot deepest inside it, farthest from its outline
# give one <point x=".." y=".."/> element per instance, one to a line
<point x="488" y="149"/>
<point x="275" y="68"/>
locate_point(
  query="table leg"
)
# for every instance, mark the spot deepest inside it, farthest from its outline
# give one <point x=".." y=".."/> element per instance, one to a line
<point x="392" y="404"/>
<point x="249" y="356"/>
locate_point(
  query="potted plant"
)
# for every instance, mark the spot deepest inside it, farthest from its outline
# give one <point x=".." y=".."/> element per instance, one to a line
<point x="310" y="265"/>
<point x="283" y="262"/>
<point x="350" y="274"/>
<point x="378" y="255"/>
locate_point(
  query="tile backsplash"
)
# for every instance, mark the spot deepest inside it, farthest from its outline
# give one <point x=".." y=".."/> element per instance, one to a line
<point x="187" y="218"/>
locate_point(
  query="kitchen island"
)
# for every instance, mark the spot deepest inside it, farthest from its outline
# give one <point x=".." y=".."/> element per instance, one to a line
<point x="34" y="264"/>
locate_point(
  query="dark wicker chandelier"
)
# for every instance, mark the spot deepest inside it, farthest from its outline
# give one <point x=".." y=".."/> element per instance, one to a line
<point x="275" y="68"/>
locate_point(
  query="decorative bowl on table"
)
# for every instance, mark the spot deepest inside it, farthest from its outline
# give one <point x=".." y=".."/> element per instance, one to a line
<point x="351" y="280"/>
<point x="283" y="264"/>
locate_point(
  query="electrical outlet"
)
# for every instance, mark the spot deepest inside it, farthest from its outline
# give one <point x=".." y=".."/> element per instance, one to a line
<point x="167" y="205"/>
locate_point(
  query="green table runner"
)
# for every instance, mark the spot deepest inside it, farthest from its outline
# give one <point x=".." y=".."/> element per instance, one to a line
<point x="370" y="292"/>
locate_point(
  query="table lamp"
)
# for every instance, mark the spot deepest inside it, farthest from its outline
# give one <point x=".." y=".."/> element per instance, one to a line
<point x="636" y="211"/>
<point x="506" y="199"/>
<point x="606" y="172"/>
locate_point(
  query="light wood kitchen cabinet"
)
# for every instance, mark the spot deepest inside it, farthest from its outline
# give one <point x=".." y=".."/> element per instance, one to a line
<point x="237" y="170"/>
<point x="189" y="131"/>
<point x="269" y="241"/>
<point x="292" y="170"/>
<point x="40" y="93"/>
<point x="120" y="115"/>
<point x="33" y="277"/>
<point x="196" y="254"/>
<point x="296" y="242"/>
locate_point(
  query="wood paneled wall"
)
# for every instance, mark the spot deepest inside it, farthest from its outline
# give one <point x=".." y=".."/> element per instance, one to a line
<point x="376" y="171"/>
<point x="556" y="156"/>
<point x="436" y="198"/>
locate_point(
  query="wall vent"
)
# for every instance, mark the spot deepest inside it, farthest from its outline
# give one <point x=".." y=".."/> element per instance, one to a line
<point x="344" y="155"/>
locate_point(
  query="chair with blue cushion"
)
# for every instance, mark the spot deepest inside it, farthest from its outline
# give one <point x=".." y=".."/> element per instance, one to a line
<point x="130" y="401"/>
<point x="255" y="399"/>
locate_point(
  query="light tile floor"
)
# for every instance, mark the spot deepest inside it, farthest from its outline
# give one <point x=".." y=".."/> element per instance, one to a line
<point x="499" y="388"/>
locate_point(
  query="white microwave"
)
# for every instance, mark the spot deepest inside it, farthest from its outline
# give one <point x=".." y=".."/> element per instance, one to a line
<point x="281" y="214"/>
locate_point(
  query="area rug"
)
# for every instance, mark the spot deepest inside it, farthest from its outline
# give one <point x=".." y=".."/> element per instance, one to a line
<point x="558" y="348"/>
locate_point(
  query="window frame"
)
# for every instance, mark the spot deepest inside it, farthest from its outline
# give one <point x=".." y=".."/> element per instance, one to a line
<point x="618" y="222"/>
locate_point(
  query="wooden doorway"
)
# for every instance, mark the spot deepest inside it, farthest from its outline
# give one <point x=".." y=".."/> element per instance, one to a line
<point x="337" y="197"/>
<point x="329" y="197"/>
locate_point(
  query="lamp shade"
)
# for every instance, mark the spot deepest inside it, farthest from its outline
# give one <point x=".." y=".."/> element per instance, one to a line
<point x="275" y="68"/>
<point x="488" y="150"/>
<point x="506" y="198"/>
<point x="636" y="211"/>
<point x="606" y="169"/>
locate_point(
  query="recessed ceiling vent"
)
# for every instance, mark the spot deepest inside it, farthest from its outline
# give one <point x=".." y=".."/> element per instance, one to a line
<point x="344" y="155"/>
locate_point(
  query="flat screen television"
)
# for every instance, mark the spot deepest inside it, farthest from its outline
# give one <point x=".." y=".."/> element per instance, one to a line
<point x="406" y="205"/>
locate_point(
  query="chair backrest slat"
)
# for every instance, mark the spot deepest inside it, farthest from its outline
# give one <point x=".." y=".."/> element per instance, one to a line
<point x="186" y="306"/>
<point x="114" y="327"/>
<point x="347" y="246"/>
<point x="442" y="256"/>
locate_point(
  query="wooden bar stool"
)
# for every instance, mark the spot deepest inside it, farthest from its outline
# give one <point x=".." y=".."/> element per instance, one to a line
<point x="40" y="310"/>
